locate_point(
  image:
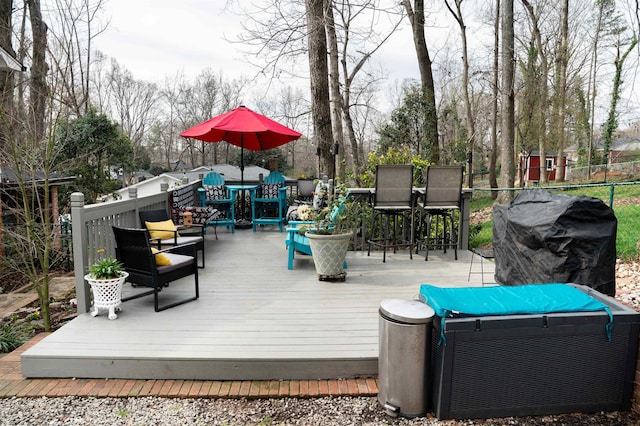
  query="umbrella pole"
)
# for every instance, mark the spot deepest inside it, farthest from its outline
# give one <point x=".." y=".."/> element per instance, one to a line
<point x="242" y="223"/>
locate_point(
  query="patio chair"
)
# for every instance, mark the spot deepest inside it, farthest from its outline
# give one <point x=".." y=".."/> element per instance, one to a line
<point x="134" y="251"/>
<point x="164" y="233"/>
<point x="441" y="201"/>
<point x="214" y="193"/>
<point x="269" y="202"/>
<point x="183" y="200"/>
<point x="392" y="208"/>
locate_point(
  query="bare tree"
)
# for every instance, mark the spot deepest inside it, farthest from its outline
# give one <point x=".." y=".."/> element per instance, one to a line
<point x="210" y="94"/>
<point x="561" y="87"/>
<point x="624" y="46"/>
<point x="38" y="90"/>
<point x="541" y="87"/>
<point x="457" y="14"/>
<point x="76" y="26"/>
<point x="493" y="154"/>
<point x="415" y="14"/>
<point x="357" y="46"/>
<point x="507" y="171"/>
<point x="7" y="76"/>
<point x="604" y="10"/>
<point x="134" y="105"/>
<point x="33" y="152"/>
<point x="334" y="81"/>
<point x="319" y="79"/>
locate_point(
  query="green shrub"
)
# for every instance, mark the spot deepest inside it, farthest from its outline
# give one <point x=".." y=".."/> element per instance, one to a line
<point x="13" y="335"/>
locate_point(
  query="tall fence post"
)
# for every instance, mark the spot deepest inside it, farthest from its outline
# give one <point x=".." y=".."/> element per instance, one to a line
<point x="80" y="258"/>
<point x="612" y="189"/>
<point x="465" y="213"/>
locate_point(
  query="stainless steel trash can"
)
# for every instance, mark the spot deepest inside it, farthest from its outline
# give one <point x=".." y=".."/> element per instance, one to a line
<point x="404" y="357"/>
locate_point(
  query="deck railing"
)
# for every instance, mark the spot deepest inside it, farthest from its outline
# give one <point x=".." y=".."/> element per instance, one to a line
<point x="92" y="234"/>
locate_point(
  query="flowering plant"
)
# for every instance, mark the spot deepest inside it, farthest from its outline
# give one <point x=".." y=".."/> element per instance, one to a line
<point x="334" y="213"/>
<point x="304" y="212"/>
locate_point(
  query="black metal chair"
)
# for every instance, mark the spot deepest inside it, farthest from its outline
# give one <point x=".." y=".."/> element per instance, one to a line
<point x="133" y="250"/>
<point x="442" y="200"/>
<point x="182" y="234"/>
<point x="393" y="207"/>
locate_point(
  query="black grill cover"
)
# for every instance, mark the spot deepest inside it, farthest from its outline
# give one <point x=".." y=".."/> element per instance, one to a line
<point x="542" y="238"/>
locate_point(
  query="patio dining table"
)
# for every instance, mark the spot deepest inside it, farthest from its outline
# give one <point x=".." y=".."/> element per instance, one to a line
<point x="243" y="222"/>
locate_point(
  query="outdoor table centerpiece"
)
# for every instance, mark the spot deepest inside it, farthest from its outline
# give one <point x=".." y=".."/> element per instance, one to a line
<point x="106" y="278"/>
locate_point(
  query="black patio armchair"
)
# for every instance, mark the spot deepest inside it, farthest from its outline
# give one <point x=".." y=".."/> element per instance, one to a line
<point x="176" y="236"/>
<point x="134" y="251"/>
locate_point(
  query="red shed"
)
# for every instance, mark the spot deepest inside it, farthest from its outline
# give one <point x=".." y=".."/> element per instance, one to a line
<point x="529" y="166"/>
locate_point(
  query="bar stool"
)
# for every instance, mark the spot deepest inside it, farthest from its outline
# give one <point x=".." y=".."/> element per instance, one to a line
<point x="441" y="201"/>
<point x="392" y="207"/>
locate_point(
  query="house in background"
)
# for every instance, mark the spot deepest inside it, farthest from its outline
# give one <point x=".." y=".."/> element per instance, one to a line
<point x="153" y="185"/>
<point x="529" y="166"/>
<point x="623" y="149"/>
<point x="11" y="197"/>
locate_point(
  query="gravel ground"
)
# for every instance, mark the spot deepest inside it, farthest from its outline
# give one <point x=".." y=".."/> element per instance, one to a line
<point x="283" y="411"/>
<point x="264" y="412"/>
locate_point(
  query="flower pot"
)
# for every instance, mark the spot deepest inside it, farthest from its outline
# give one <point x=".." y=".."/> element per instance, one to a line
<point x="107" y="294"/>
<point x="329" y="253"/>
<point x="306" y="187"/>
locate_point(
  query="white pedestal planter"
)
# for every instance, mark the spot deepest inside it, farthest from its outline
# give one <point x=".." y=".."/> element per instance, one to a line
<point x="329" y="253"/>
<point x="107" y="294"/>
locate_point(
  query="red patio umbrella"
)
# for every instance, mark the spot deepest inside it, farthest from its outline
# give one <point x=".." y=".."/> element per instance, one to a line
<point x="244" y="128"/>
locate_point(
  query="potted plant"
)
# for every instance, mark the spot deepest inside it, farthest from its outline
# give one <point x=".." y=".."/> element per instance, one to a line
<point x="306" y="187"/>
<point x="106" y="278"/>
<point x="330" y="232"/>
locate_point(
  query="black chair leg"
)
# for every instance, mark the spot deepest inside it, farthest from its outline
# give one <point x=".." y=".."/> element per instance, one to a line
<point x="178" y="303"/>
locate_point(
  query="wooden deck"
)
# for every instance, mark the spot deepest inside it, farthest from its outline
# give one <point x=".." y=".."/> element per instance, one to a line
<point x="255" y="320"/>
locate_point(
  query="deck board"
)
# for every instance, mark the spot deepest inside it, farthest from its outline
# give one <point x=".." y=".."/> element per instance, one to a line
<point x="255" y="320"/>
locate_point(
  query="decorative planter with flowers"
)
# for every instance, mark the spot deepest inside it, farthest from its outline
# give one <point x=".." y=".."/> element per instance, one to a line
<point x="106" y="278"/>
<point x="330" y="233"/>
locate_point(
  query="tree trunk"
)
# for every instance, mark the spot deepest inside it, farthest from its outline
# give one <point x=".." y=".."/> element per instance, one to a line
<point x="612" y="117"/>
<point x="563" y="59"/>
<point x="416" y="17"/>
<point x="38" y="84"/>
<point x="593" y="73"/>
<point x="493" y="155"/>
<point x="334" y="82"/>
<point x="544" y="92"/>
<point x="507" y="170"/>
<point x="470" y="127"/>
<point x="6" y="76"/>
<point x="319" y="79"/>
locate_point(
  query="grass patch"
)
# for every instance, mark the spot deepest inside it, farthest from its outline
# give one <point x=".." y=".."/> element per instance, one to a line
<point x="628" y="232"/>
<point x="481" y="234"/>
<point x="481" y="202"/>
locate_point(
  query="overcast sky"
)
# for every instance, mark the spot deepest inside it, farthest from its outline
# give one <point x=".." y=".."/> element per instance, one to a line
<point x="155" y="39"/>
